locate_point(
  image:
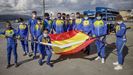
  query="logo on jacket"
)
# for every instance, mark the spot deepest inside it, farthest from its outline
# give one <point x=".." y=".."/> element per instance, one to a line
<point x="45" y="40"/>
<point x="117" y="28"/>
<point x="9" y="33"/>
<point x="98" y="23"/>
<point x="86" y="23"/>
<point x="59" y="22"/>
<point x="22" y="27"/>
<point x="50" y="22"/>
<point x="37" y="27"/>
<point x="78" y="21"/>
<point x="71" y="22"/>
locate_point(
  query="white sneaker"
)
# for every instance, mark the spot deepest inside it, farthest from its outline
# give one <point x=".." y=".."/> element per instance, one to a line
<point x="97" y="58"/>
<point x="118" y="67"/>
<point x="103" y="60"/>
<point x="116" y="63"/>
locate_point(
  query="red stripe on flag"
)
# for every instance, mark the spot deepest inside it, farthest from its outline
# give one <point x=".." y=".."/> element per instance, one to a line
<point x="63" y="36"/>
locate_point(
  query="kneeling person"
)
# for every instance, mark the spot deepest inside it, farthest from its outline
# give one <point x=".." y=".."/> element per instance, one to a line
<point x="45" y="49"/>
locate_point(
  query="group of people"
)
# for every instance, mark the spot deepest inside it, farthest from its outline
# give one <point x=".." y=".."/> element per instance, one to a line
<point x="38" y="30"/>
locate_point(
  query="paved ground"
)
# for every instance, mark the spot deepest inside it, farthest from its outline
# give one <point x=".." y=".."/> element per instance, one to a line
<point x="78" y="64"/>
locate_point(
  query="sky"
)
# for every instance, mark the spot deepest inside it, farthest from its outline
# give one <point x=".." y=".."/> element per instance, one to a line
<point x="26" y="6"/>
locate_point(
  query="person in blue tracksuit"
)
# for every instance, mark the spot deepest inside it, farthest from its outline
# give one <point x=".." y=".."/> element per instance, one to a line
<point x="68" y="23"/>
<point x="120" y="41"/>
<point x="63" y="16"/>
<point x="71" y="22"/>
<point x="78" y="22"/>
<point x="87" y="25"/>
<point x="10" y="34"/>
<point x="87" y="29"/>
<point x="99" y="30"/>
<point x="23" y="35"/>
<point x="45" y="49"/>
<point x="58" y="24"/>
<point x="48" y="22"/>
<point x="38" y="31"/>
<point x="32" y="22"/>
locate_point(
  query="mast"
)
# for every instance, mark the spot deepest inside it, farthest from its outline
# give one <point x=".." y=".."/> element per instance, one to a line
<point x="43" y="10"/>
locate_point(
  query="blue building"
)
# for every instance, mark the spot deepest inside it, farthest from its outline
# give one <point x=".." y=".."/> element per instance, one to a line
<point x="108" y="14"/>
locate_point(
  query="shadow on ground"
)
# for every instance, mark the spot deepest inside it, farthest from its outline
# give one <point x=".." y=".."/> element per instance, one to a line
<point x="110" y="48"/>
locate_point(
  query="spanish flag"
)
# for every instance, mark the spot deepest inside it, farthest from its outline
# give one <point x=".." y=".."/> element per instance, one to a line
<point x="74" y="41"/>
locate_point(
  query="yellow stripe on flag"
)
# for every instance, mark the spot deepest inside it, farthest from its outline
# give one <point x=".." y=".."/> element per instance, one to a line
<point x="78" y="37"/>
